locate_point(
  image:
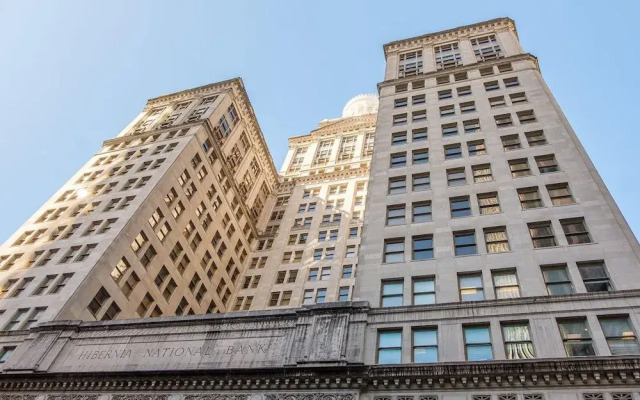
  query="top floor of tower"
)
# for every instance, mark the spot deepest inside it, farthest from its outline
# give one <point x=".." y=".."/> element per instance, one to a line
<point x="451" y="48"/>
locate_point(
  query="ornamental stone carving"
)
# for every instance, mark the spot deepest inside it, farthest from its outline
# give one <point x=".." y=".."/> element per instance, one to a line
<point x="140" y="397"/>
<point x="217" y="397"/>
<point x="310" y="396"/>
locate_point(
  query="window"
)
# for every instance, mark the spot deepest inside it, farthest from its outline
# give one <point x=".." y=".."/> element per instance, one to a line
<point x="488" y="203"/>
<point x="390" y="347"/>
<point x="466" y="107"/>
<point x="421" y="211"/>
<point x="486" y="48"/>
<point x="401" y="87"/>
<point x="424" y="291"/>
<point x="503" y="120"/>
<point x="419" y="134"/>
<point x="402" y="102"/>
<point x="542" y="234"/>
<point x="526" y="117"/>
<point x="620" y="336"/>
<point x="394" y="250"/>
<point x="505" y="284"/>
<point x="6" y="353"/>
<point x="446" y="111"/>
<point x="391" y="294"/>
<point x="492" y="85"/>
<point x="498" y="101"/>
<point x="460" y="207"/>
<point x="419" y="182"/>
<point x="535" y="138"/>
<point x="506" y="67"/>
<point x="511" y="82"/>
<point x="518" y="98"/>
<point x="560" y="194"/>
<point x="476" y="148"/>
<point x="471" y="126"/>
<point x="529" y="198"/>
<point x="398" y="160"/>
<point x="477" y="342"/>
<point x="456" y="177"/>
<point x="397" y="185"/>
<point x="452" y="151"/>
<point x="441" y="80"/>
<point x="400" y="119"/>
<point x="325" y="274"/>
<point x="399" y="138"/>
<point x="463" y="91"/>
<point x="481" y="173"/>
<point x="321" y="295"/>
<point x="396" y="214"/>
<point x="576" y="337"/>
<point x="511" y="142"/>
<point x="471" y="288"/>
<point x="445" y="94"/>
<point x="347" y="271"/>
<point x="422" y="247"/>
<point x="425" y="345"/>
<point x="449" y="129"/>
<point x="410" y="63"/>
<point x="557" y="279"/>
<point x="418" y="116"/>
<point x="447" y="56"/>
<point x="575" y="231"/>
<point x="517" y="341"/>
<point x="420" y="156"/>
<point x="496" y="239"/>
<point x="465" y="243"/>
<point x="594" y="275"/>
<point x="419" y="84"/>
<point x="343" y="294"/>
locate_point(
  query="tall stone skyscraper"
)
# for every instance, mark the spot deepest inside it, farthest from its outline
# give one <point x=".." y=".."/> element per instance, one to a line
<point x="490" y="262"/>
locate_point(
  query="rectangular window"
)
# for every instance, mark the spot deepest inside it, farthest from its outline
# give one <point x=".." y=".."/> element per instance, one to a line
<point x="620" y="336"/>
<point x="518" y="98"/>
<point x="465" y="243"/>
<point x="547" y="163"/>
<point x="410" y="63"/>
<point x="510" y="142"/>
<point x="398" y="160"/>
<point x="467" y="107"/>
<point x="486" y="48"/>
<point x="422" y="247"/>
<point x="449" y="129"/>
<point x="505" y="284"/>
<point x="421" y="211"/>
<point x="418" y="116"/>
<point x="397" y="185"/>
<point x="447" y="56"/>
<point x="419" y="182"/>
<point x="420" y="156"/>
<point x="391" y="294"/>
<point x="476" y="148"/>
<point x="575" y="230"/>
<point x="343" y="294"/>
<point x="425" y="345"/>
<point x="497" y="101"/>
<point x="390" y="347"/>
<point x="542" y="234"/>
<point x="463" y="91"/>
<point x="557" y="279"/>
<point x="401" y="102"/>
<point x="496" y="239"/>
<point x="471" y="126"/>
<point x="492" y="85"/>
<point x="452" y="151"/>
<point x="460" y="207"/>
<point x="481" y="173"/>
<point x="594" y="275"/>
<point x="526" y="117"/>
<point x="560" y="194"/>
<point x="511" y="82"/>
<point x="394" y="250"/>
<point x="419" y="134"/>
<point x="445" y="94"/>
<point x="419" y="99"/>
<point x="529" y="198"/>
<point x="471" y="288"/>
<point x="477" y="341"/>
<point x="443" y="79"/>
<point x="535" y="138"/>
<point x="517" y="341"/>
<point x="347" y="271"/>
<point x="396" y="214"/>
<point x="488" y="203"/>
<point x="400" y="119"/>
<point x="576" y="337"/>
<point x="398" y="138"/>
<point x="503" y="120"/>
<point x="456" y="177"/>
<point x="446" y="111"/>
<point x="424" y="291"/>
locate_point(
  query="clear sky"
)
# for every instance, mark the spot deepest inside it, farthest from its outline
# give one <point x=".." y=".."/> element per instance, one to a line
<point x="74" y="73"/>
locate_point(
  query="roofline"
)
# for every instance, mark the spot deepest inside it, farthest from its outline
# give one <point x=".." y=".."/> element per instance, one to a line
<point x="427" y="35"/>
<point x="198" y="88"/>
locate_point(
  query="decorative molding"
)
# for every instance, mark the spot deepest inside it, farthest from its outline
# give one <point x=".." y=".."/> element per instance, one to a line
<point x="72" y="397"/>
<point x="140" y="397"/>
<point x="311" y="396"/>
<point x="217" y="397"/>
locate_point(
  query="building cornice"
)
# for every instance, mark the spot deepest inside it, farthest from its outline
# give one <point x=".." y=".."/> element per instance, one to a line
<point x="332" y="176"/>
<point x="211" y="88"/>
<point x="449" y="34"/>
<point x="463" y="68"/>
<point x="343" y="126"/>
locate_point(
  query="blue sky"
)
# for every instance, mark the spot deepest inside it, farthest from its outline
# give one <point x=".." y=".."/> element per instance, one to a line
<point x="73" y="73"/>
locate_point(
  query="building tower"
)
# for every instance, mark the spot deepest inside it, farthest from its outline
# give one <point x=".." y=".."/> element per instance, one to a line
<point x="158" y="222"/>
<point x="308" y="252"/>
<point x="488" y="230"/>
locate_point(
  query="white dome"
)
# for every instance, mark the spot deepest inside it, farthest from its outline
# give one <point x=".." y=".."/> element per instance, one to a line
<point x="360" y="105"/>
